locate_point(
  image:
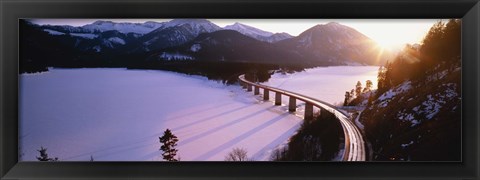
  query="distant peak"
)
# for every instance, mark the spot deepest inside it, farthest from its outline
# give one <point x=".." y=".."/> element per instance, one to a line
<point x="333" y="23"/>
<point x="187" y="21"/>
<point x="100" y="22"/>
<point x="151" y="22"/>
<point x="236" y="25"/>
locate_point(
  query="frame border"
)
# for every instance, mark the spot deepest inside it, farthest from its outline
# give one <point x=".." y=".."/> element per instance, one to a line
<point x="11" y="11"/>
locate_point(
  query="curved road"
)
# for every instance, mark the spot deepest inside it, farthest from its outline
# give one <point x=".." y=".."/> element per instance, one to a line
<point x="354" y="143"/>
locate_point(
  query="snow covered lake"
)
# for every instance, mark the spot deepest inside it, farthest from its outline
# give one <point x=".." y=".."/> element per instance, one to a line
<point x="325" y="83"/>
<point x="118" y="114"/>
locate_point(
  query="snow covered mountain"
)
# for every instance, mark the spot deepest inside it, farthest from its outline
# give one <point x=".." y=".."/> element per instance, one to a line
<point x="335" y="43"/>
<point x="102" y="26"/>
<point x="176" y="32"/>
<point x="137" y="28"/>
<point x="197" y="25"/>
<point x="321" y="45"/>
<point x="248" y="30"/>
<point x="228" y="46"/>
<point x="258" y="33"/>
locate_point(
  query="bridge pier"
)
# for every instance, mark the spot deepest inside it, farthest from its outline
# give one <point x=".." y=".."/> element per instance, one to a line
<point x="266" y="94"/>
<point x="292" y="104"/>
<point x="256" y="91"/>
<point x="249" y="87"/>
<point x="278" y="98"/>
<point x="308" y="112"/>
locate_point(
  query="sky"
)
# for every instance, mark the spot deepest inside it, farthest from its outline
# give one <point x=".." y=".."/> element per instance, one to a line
<point x="388" y="33"/>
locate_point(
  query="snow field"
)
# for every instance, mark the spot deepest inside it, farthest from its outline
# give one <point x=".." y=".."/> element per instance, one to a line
<point x="324" y="83"/>
<point x="118" y="115"/>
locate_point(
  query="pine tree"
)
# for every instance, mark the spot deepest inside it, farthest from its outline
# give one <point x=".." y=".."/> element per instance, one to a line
<point x="368" y="86"/>
<point x="347" y="98"/>
<point x="169" y="141"/>
<point x="44" y="155"/>
<point x="358" y="88"/>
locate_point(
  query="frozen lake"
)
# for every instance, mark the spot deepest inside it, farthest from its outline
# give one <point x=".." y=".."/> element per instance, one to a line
<point x="325" y="83"/>
<point x="118" y="114"/>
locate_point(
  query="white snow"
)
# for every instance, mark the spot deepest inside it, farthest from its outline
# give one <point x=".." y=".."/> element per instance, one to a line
<point x="393" y="92"/>
<point x="248" y="30"/>
<point x="257" y="33"/>
<point x="118" y="115"/>
<point x="52" y="32"/>
<point x="325" y="83"/>
<point x="358" y="123"/>
<point x="84" y="35"/>
<point x="414" y="123"/>
<point x="126" y="27"/>
<point x="175" y="56"/>
<point x="197" y="26"/>
<point x="406" y="145"/>
<point x="431" y="107"/>
<point x="195" y="47"/>
<point x="97" y="48"/>
<point x="151" y="41"/>
<point x="386" y="97"/>
<point x="117" y="40"/>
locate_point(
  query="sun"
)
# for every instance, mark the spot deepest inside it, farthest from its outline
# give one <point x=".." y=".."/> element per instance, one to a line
<point x="390" y="44"/>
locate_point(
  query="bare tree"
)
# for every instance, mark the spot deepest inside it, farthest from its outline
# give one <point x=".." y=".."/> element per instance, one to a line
<point x="237" y="154"/>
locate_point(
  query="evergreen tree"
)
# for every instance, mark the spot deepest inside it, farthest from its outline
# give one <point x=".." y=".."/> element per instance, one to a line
<point x="442" y="44"/>
<point x="347" y="98"/>
<point x="370" y="99"/>
<point x="358" y="88"/>
<point x="169" y="141"/>
<point x="368" y="86"/>
<point x="44" y="155"/>
<point x="381" y="79"/>
<point x="352" y="94"/>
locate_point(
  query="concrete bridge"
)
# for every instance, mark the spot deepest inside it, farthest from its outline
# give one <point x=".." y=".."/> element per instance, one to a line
<point x="354" y="144"/>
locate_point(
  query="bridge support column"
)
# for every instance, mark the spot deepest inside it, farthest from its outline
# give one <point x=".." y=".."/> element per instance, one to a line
<point x="308" y="112"/>
<point x="278" y="98"/>
<point x="257" y="90"/>
<point x="292" y="104"/>
<point x="266" y="94"/>
<point x="249" y="87"/>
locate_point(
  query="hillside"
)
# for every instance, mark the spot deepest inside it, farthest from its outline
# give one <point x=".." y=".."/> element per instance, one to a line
<point x="415" y="114"/>
<point x="229" y="46"/>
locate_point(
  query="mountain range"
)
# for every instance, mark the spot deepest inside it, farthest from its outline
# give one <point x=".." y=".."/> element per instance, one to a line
<point x="196" y="39"/>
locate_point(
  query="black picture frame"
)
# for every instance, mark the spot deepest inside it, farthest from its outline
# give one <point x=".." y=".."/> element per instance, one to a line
<point x="11" y="11"/>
